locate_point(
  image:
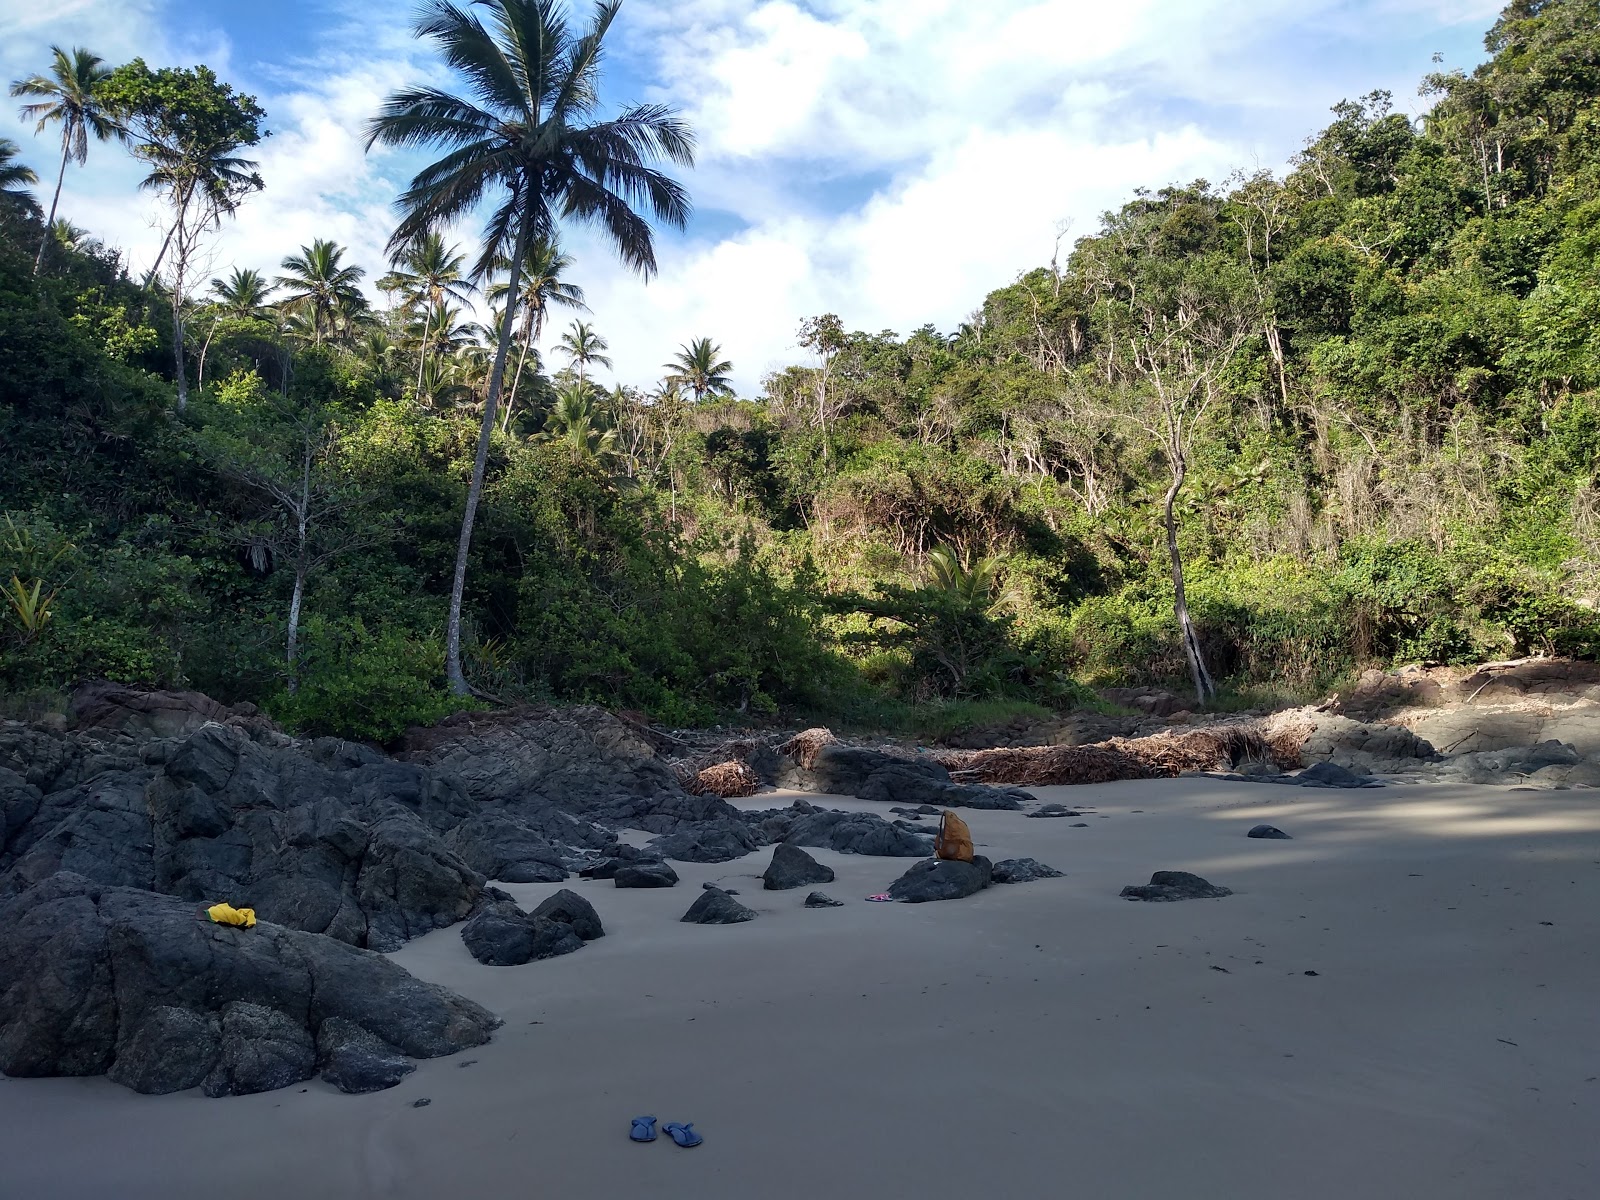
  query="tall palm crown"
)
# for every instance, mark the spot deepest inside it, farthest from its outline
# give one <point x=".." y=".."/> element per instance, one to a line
<point x="585" y="347"/>
<point x="243" y="294"/>
<point x="321" y="287"/>
<point x="524" y="137"/>
<point x="429" y="272"/>
<point x="700" y="367"/>
<point x="67" y="98"/>
<point x="15" y="176"/>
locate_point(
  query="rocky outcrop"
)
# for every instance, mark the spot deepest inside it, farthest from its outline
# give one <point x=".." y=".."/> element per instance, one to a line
<point x="848" y="833"/>
<point x="100" y="979"/>
<point x="791" y="867"/>
<point x="572" y="910"/>
<point x="117" y="708"/>
<point x="841" y="770"/>
<point x="939" y="879"/>
<point x="713" y="842"/>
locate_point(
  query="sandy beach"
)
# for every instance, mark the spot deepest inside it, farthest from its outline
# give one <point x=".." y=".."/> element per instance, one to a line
<point x="1398" y="1003"/>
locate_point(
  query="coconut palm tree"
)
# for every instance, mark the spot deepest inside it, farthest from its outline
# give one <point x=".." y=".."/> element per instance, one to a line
<point x="322" y="288"/>
<point x="428" y="274"/>
<point x="69" y="101"/>
<point x="583" y="346"/>
<point x="14" y="177"/>
<point x="244" y="295"/>
<point x="700" y="367"/>
<point x="576" y="421"/>
<point x="524" y="136"/>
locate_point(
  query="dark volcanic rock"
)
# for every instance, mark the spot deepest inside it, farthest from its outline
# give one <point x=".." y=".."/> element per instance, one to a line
<point x="873" y="775"/>
<point x="818" y="900"/>
<point x="1047" y="811"/>
<point x="356" y="1061"/>
<point x="498" y="846"/>
<point x="937" y="879"/>
<point x="262" y="1050"/>
<point x="569" y="908"/>
<point x="1271" y="832"/>
<point x="500" y="934"/>
<point x="157" y="714"/>
<point x="1327" y="775"/>
<point x="645" y="875"/>
<point x="170" y="1050"/>
<point x="716" y="907"/>
<point x="792" y="867"/>
<point x="719" y="841"/>
<point x="1175" y="885"/>
<point x="1023" y="870"/>
<point x="83" y="968"/>
<point x="848" y="833"/>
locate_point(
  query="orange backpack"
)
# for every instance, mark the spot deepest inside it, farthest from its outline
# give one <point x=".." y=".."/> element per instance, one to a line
<point x="955" y="839"/>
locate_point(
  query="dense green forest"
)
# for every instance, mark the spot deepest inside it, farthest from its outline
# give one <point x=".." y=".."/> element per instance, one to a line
<point x="1358" y="405"/>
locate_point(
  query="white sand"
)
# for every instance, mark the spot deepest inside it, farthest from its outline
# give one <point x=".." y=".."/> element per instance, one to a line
<point x="1045" y="1039"/>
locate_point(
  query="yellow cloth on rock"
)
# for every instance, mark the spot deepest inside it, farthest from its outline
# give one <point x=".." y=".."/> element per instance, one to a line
<point x="227" y="914"/>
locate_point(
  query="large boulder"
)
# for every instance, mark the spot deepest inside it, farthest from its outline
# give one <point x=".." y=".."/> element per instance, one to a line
<point x="717" y="907"/>
<point x="1023" y="870"/>
<point x="940" y="879"/>
<point x="645" y="875"/>
<point x="500" y="934"/>
<point x="714" y="842"/>
<point x="845" y="832"/>
<point x="792" y="867"/>
<point x="84" y="969"/>
<point x="144" y="713"/>
<point x="572" y="910"/>
<point x="501" y="847"/>
<point x="843" y="770"/>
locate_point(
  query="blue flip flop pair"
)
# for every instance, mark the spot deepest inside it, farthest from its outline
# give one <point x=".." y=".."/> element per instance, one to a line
<point x="644" y="1130"/>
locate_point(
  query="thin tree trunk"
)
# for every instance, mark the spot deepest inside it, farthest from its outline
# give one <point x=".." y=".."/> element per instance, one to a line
<point x="38" y="259"/>
<point x="205" y="349"/>
<point x="516" y="379"/>
<point x="293" y="653"/>
<point x="453" y="672"/>
<point x="1204" y="688"/>
<point x="177" y="342"/>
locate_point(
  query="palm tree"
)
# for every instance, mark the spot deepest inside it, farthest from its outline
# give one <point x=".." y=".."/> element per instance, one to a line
<point x="15" y="176"/>
<point x="541" y="286"/>
<point x="699" y="366"/>
<point x="243" y="295"/>
<point x="525" y="134"/>
<point x="973" y="587"/>
<point x="575" y="421"/>
<point x="322" y="288"/>
<point x="427" y="274"/>
<point x="583" y="346"/>
<point x="67" y="235"/>
<point x="70" y="101"/>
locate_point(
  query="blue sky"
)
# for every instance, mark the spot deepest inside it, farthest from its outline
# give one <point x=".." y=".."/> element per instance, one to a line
<point x="888" y="160"/>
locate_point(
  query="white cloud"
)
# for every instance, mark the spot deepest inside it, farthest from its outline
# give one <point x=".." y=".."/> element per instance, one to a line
<point x="888" y="160"/>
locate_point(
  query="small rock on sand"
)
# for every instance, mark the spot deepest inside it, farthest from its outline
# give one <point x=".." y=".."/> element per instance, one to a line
<point x="1054" y="810"/>
<point x="818" y="900"/>
<point x="645" y="875"/>
<point x="1270" y="832"/>
<point x="717" y="907"/>
<point x="1175" y="885"/>
<point x="938" y="879"/>
<point x="792" y="867"/>
<point x="1023" y="870"/>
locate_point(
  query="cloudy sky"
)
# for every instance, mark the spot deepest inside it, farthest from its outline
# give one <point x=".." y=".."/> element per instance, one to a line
<point x="887" y="160"/>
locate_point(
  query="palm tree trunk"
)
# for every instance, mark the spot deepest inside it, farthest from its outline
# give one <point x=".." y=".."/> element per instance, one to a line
<point x="1204" y="688"/>
<point x="422" y="362"/>
<point x="457" y="680"/>
<point x="38" y="259"/>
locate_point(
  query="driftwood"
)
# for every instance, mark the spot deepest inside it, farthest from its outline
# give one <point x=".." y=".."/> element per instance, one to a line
<point x="727" y="779"/>
<point x="1159" y="756"/>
